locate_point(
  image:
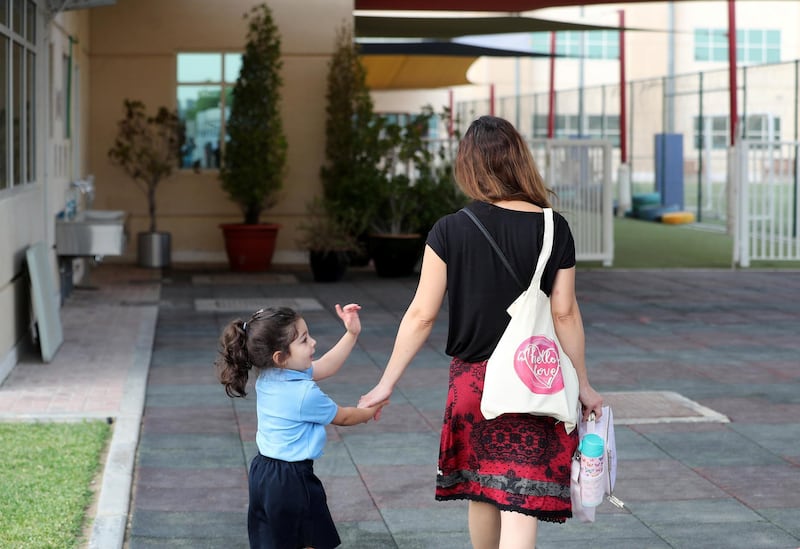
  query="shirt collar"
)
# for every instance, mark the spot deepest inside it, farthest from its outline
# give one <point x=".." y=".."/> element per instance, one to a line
<point x="290" y="375"/>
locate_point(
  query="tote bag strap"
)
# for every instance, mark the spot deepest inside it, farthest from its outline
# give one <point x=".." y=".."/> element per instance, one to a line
<point x="547" y="247"/>
<point x="495" y="247"/>
<point x="544" y="255"/>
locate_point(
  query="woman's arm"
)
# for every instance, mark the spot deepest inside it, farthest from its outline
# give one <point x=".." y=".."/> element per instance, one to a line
<point x="415" y="327"/>
<point x="569" y="329"/>
<point x="329" y="363"/>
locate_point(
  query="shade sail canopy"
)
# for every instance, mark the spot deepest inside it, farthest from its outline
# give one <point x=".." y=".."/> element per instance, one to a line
<point x="454" y="49"/>
<point x="452" y="27"/>
<point x="480" y="5"/>
<point x="438" y="64"/>
<point x="423" y="65"/>
<point x="411" y="72"/>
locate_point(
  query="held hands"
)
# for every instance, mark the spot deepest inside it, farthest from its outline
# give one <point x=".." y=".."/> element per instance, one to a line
<point x="349" y="316"/>
<point x="378" y="396"/>
<point x="376" y="410"/>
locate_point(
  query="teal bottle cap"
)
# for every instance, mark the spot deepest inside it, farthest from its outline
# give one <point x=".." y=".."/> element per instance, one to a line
<point x="591" y="446"/>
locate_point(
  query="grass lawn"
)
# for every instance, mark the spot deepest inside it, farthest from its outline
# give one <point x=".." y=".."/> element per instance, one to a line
<point x="46" y="470"/>
<point x="640" y="244"/>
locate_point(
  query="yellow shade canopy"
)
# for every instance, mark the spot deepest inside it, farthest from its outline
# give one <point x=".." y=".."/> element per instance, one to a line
<point x="408" y="72"/>
<point x="424" y="65"/>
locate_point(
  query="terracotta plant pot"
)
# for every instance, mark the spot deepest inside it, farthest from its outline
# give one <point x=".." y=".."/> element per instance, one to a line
<point x="250" y="247"/>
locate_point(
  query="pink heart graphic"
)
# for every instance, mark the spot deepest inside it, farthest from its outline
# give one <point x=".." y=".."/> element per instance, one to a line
<point x="538" y="365"/>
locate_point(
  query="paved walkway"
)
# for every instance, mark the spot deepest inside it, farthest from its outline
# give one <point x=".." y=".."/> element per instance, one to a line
<point x="702" y="368"/>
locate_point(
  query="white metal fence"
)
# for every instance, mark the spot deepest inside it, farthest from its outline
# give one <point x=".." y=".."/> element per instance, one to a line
<point x="579" y="171"/>
<point x="765" y="176"/>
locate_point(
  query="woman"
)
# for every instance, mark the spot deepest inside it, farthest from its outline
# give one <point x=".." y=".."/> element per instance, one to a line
<point x="514" y="469"/>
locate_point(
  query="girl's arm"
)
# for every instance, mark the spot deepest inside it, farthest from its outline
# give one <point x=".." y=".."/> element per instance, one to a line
<point x="568" y="324"/>
<point x="349" y="415"/>
<point x="329" y="363"/>
<point x="415" y="327"/>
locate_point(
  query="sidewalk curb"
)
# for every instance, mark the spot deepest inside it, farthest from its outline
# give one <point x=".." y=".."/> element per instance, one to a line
<point x="108" y="530"/>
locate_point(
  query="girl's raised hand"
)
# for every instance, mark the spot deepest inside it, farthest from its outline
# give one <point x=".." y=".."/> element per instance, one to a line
<point x="349" y="316"/>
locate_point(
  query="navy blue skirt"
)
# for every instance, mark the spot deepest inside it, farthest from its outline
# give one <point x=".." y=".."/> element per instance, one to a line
<point x="288" y="507"/>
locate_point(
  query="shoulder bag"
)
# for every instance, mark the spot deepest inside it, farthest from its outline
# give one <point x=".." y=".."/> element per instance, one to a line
<point x="604" y="427"/>
<point x="528" y="372"/>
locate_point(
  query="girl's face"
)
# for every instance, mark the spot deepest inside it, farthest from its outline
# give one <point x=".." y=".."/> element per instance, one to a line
<point x="301" y="350"/>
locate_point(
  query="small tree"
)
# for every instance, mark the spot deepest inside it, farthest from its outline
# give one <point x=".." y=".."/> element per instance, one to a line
<point x="148" y="149"/>
<point x="254" y="158"/>
<point x="352" y="139"/>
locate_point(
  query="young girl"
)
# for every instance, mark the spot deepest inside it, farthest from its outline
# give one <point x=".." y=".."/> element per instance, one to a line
<point x="288" y="508"/>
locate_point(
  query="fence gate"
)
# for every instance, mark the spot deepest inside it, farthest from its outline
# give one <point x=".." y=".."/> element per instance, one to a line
<point x="765" y="175"/>
<point x="579" y="171"/>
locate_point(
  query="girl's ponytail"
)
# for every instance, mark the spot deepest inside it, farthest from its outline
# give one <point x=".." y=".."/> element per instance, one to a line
<point x="253" y="344"/>
<point x="233" y="363"/>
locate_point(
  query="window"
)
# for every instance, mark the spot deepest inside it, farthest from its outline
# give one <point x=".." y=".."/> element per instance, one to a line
<point x="597" y="126"/>
<point x="566" y="126"/>
<point x="752" y="45"/>
<point x="604" y="127"/>
<point x="205" y="96"/>
<point x="597" y="44"/>
<point x="716" y="130"/>
<point x="17" y="93"/>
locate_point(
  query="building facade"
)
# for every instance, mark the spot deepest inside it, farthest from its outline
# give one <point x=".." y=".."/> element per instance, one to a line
<point x="67" y="68"/>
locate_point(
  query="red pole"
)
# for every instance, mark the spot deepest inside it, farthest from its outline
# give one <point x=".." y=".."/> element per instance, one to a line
<point x="450" y="112"/>
<point x="491" y="99"/>
<point x="732" y="69"/>
<point x="551" y="115"/>
<point x="623" y="85"/>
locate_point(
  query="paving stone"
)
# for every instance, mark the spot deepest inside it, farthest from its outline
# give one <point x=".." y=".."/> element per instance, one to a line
<point x="191" y="499"/>
<point x="711" y="511"/>
<point x="717" y="448"/>
<point x="200" y="526"/>
<point x="763" y="486"/>
<point x="730" y="535"/>
<point x="191" y="458"/>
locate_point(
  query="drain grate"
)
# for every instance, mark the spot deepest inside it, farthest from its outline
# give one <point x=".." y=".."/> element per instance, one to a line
<point x="640" y="407"/>
<point x="237" y="279"/>
<point x="251" y="304"/>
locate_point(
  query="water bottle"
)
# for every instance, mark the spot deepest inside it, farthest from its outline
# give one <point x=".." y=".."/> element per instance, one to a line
<point x="592" y="464"/>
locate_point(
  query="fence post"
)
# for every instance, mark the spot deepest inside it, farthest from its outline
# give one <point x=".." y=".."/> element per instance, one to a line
<point x="741" y="200"/>
<point x="608" y="208"/>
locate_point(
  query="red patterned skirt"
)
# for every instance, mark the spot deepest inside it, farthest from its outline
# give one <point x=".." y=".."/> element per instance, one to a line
<point x="517" y="462"/>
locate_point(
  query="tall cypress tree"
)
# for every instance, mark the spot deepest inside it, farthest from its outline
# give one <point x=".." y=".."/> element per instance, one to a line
<point x="352" y="132"/>
<point x="254" y="160"/>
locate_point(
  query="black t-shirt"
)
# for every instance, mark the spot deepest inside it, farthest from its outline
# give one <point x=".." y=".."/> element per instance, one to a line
<point x="479" y="288"/>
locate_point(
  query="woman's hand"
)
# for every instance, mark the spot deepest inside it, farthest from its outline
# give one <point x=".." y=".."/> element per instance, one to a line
<point x="349" y="316"/>
<point x="378" y="395"/>
<point x="591" y="401"/>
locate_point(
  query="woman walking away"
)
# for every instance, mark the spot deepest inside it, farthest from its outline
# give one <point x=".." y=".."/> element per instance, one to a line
<point x="515" y="469"/>
<point x="288" y="508"/>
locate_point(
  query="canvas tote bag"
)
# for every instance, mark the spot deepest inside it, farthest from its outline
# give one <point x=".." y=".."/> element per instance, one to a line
<point x="528" y="371"/>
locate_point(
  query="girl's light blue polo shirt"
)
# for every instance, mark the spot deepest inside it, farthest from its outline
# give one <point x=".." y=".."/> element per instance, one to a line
<point x="292" y="413"/>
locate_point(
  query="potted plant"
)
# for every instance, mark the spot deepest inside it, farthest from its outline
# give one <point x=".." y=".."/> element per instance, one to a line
<point x="415" y="190"/>
<point x="352" y="144"/>
<point x="147" y="148"/>
<point x="329" y="243"/>
<point x="254" y="158"/>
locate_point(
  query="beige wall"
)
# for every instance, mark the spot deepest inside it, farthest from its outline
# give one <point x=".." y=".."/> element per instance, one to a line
<point x="133" y="53"/>
<point x="27" y="213"/>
